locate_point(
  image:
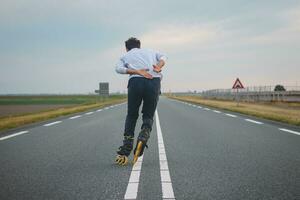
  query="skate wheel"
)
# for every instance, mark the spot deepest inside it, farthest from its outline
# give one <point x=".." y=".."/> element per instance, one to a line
<point x="121" y="160"/>
<point x="137" y="152"/>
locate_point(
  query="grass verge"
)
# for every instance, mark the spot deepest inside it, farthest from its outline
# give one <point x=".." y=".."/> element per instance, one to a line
<point x="286" y="113"/>
<point x="17" y="121"/>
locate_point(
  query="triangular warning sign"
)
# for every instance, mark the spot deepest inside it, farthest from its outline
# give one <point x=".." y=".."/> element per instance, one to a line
<point x="237" y="84"/>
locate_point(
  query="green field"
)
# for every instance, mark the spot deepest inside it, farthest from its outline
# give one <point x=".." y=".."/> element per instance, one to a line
<point x="55" y="99"/>
<point x="74" y="104"/>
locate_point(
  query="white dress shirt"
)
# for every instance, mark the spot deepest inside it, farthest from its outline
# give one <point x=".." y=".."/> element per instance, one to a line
<point x="137" y="59"/>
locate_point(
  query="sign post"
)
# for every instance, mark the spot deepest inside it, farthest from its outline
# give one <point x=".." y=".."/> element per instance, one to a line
<point x="237" y="85"/>
<point x="103" y="90"/>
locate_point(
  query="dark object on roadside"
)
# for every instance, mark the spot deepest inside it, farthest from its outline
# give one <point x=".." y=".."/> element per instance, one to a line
<point x="279" y="88"/>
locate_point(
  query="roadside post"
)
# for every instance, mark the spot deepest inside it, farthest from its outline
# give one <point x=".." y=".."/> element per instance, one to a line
<point x="237" y="85"/>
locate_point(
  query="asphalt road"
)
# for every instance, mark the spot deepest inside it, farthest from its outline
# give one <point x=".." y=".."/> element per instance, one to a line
<point x="194" y="153"/>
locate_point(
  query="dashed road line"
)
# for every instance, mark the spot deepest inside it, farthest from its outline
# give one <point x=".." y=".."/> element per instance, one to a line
<point x="53" y="123"/>
<point x="216" y="111"/>
<point x="289" y="131"/>
<point x="89" y="113"/>
<point x="133" y="183"/>
<point x="99" y="110"/>
<point x="253" y="121"/>
<point x="206" y="108"/>
<point x="199" y="107"/>
<point x="230" y="115"/>
<point x="75" y="117"/>
<point x="13" y="135"/>
<point x="166" y="183"/>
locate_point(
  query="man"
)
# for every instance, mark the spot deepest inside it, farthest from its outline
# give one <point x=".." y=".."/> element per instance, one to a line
<point x="144" y="67"/>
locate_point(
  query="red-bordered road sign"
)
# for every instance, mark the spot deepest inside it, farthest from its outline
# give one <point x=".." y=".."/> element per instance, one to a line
<point x="237" y="84"/>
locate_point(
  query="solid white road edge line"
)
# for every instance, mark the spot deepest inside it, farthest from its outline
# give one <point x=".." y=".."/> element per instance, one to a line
<point x="166" y="183"/>
<point x="289" y="131"/>
<point x="53" y="123"/>
<point x="13" y="135"/>
<point x="133" y="183"/>
<point x="253" y="121"/>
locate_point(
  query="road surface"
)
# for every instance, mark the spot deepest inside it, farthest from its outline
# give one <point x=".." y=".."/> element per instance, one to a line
<point x="195" y="152"/>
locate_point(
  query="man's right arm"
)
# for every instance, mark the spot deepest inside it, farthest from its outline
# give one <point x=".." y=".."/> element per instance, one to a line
<point x="161" y="60"/>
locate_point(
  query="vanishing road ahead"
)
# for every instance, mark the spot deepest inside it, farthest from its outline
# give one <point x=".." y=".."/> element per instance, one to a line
<point x="194" y="153"/>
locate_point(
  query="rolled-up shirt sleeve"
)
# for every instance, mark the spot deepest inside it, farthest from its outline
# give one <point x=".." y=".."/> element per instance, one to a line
<point x="120" y="67"/>
<point x="160" y="56"/>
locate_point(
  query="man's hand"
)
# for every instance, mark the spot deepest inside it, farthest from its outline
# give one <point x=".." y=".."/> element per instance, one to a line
<point x="144" y="73"/>
<point x="156" y="68"/>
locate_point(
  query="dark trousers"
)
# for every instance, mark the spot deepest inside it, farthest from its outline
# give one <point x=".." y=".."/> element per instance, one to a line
<point x="141" y="90"/>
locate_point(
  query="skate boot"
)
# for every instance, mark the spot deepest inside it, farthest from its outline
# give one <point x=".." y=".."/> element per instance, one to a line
<point x="141" y="143"/>
<point x="124" y="151"/>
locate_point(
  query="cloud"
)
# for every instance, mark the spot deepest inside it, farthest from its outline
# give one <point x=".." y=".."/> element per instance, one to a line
<point x="288" y="33"/>
<point x="172" y="37"/>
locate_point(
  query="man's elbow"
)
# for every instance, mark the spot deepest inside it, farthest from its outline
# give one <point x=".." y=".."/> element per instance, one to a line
<point x="163" y="59"/>
<point x="121" y="71"/>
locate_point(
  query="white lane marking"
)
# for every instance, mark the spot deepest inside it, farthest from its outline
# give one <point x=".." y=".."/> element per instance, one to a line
<point x="53" y="123"/>
<point x="137" y="166"/>
<point x="163" y="165"/>
<point x="165" y="175"/>
<point x="89" y="113"/>
<point x="230" y="115"/>
<point x="13" y="135"/>
<point x="167" y="191"/>
<point x="131" y="191"/>
<point x="194" y="105"/>
<point x="133" y="183"/>
<point x="134" y="177"/>
<point x="166" y="183"/>
<point x="216" y="111"/>
<point x="106" y="108"/>
<point x="206" y="108"/>
<point x="99" y="110"/>
<point x="75" y="117"/>
<point x="253" y="121"/>
<point x="289" y="131"/>
<point x="199" y="107"/>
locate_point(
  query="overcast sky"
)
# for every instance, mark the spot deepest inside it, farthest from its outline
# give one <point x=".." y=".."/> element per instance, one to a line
<point x="70" y="46"/>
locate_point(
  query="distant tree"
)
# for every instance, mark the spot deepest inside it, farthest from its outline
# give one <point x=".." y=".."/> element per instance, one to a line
<point x="279" y="88"/>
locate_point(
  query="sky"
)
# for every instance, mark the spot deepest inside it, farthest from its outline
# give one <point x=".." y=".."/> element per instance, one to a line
<point x="69" y="46"/>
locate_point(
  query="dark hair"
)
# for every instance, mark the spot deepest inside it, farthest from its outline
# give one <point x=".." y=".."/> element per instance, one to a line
<point x="132" y="43"/>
